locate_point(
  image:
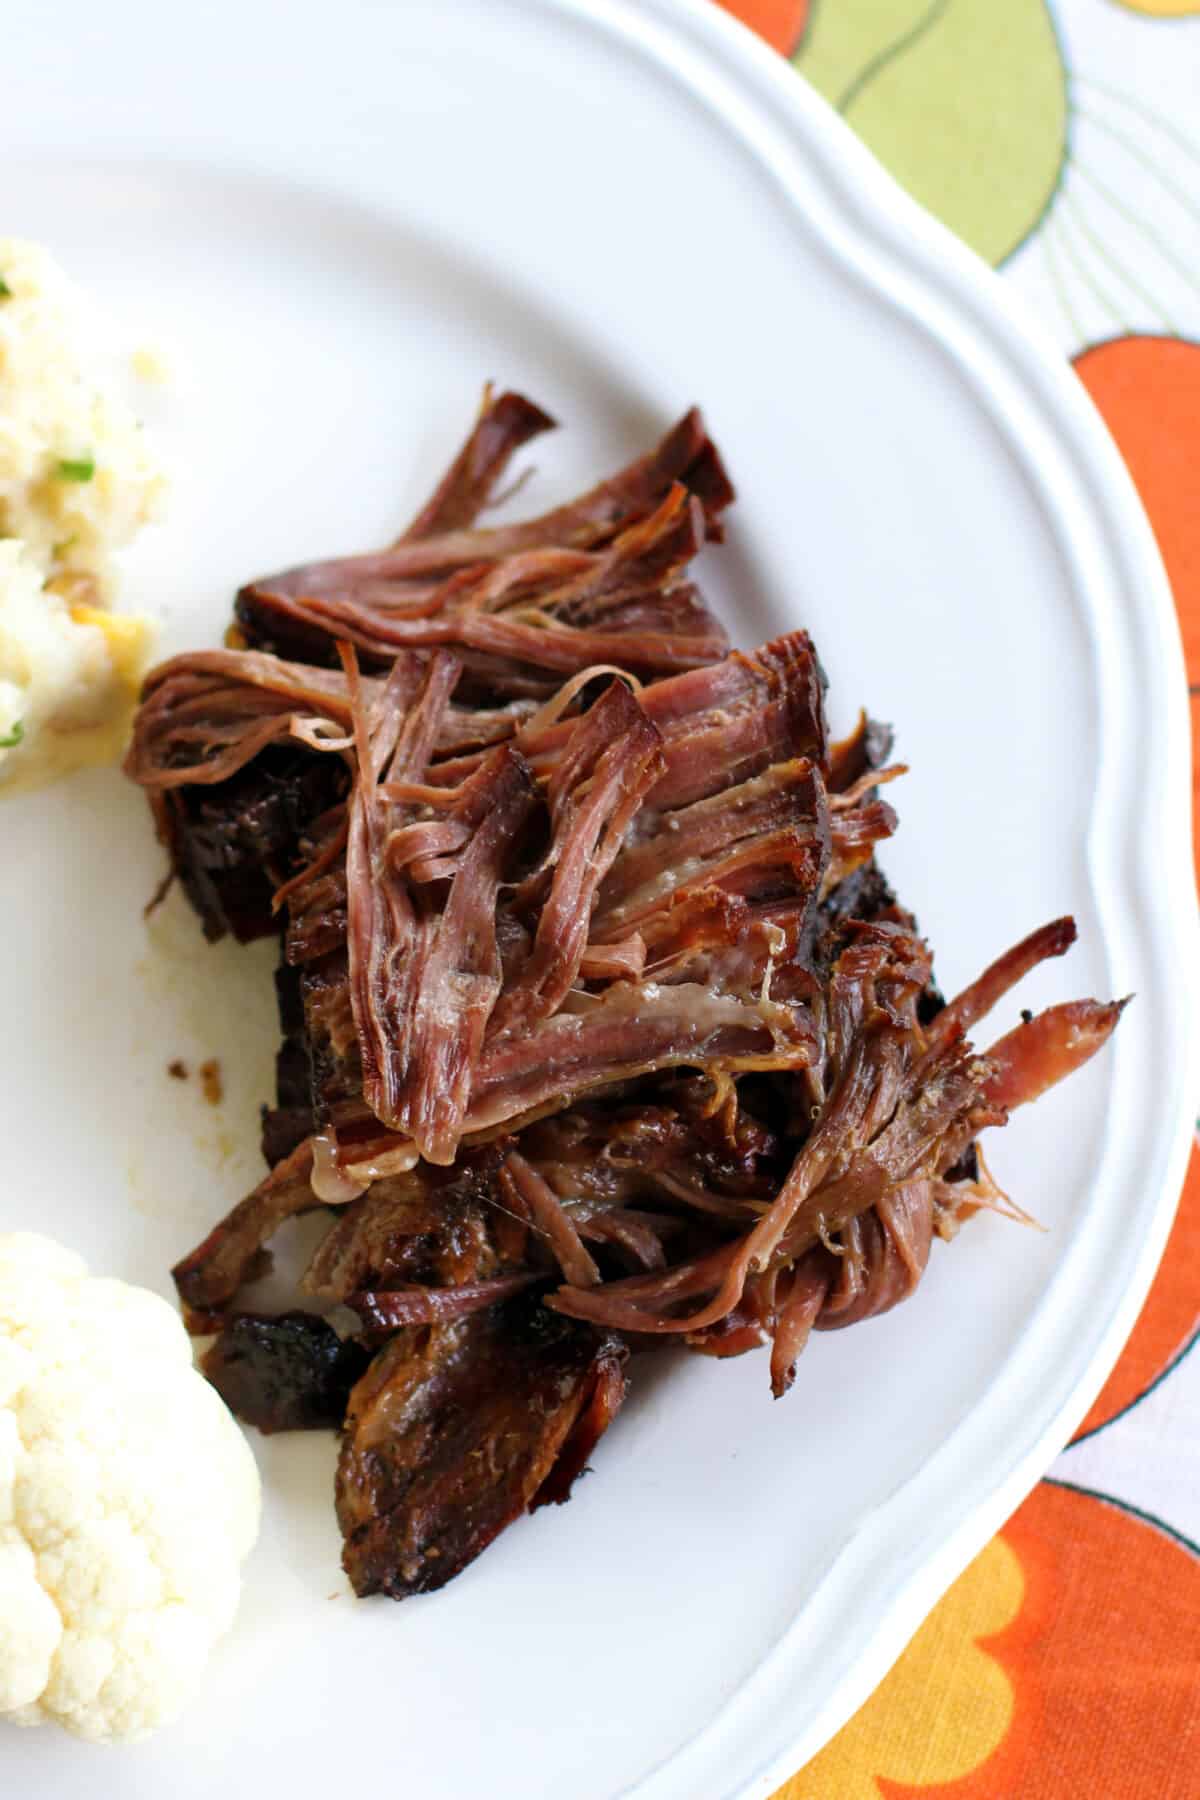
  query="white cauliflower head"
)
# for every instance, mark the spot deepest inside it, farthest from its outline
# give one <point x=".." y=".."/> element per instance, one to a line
<point x="129" y="1500"/>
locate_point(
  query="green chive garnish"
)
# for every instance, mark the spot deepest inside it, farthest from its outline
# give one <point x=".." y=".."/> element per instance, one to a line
<point x="14" y="737"/>
<point x="76" y="468"/>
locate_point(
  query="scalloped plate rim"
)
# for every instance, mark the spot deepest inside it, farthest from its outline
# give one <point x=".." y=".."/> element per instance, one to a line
<point x="751" y="87"/>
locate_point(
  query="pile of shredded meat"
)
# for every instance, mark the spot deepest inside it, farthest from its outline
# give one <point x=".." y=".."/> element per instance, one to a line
<point x="602" y="1029"/>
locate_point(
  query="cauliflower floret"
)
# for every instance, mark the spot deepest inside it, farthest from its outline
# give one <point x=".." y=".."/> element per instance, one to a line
<point x="129" y="1500"/>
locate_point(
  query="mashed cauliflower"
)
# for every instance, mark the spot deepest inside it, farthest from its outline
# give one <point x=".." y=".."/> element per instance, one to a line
<point x="77" y="482"/>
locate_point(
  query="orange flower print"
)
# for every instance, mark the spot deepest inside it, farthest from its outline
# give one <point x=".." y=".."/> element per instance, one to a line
<point x="1104" y="1671"/>
<point x="946" y="1706"/>
<point x="780" y="22"/>
<point x="1169" y="1320"/>
<point x="1032" y="1682"/>
<point x="1148" y="389"/>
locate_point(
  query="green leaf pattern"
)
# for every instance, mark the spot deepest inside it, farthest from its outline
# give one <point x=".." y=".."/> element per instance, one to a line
<point x="965" y="101"/>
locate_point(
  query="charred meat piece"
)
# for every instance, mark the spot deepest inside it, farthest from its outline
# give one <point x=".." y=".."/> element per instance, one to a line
<point x="455" y="1430"/>
<point x="286" y="1124"/>
<point x="291" y="1372"/>
<point x="232" y="845"/>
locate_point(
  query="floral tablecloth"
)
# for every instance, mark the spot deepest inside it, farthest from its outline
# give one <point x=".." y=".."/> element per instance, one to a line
<point x="1062" y="142"/>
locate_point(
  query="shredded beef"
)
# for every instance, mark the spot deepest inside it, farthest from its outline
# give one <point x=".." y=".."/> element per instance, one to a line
<point x="601" y="1026"/>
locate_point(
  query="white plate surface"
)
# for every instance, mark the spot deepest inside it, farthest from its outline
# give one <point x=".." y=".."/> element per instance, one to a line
<point x="340" y="219"/>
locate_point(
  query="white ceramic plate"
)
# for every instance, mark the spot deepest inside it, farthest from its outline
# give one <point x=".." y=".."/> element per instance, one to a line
<point x="340" y="219"/>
